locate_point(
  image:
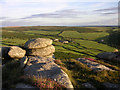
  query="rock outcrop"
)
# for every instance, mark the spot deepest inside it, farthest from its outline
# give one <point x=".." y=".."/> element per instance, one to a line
<point x="40" y="62"/>
<point x="46" y="68"/>
<point x="106" y="55"/>
<point x="94" y="65"/>
<point x="16" y="52"/>
<point x="111" y="86"/>
<point x="42" y="51"/>
<point x="38" y="43"/>
<point x="89" y="86"/>
<point x="39" y="47"/>
<point x="65" y="42"/>
<point x="56" y="40"/>
<point x="114" y="56"/>
<point x="4" y="52"/>
<point x="23" y="61"/>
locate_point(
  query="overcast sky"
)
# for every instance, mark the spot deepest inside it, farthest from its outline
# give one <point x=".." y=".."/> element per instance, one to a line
<point x="58" y="12"/>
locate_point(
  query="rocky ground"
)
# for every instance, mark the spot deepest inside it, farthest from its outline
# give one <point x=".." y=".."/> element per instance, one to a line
<point x="94" y="65"/>
<point x="37" y="60"/>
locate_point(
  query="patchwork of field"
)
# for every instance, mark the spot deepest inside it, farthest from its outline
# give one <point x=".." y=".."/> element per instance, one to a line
<point x="86" y="36"/>
<point x="83" y="42"/>
<point x="42" y="32"/>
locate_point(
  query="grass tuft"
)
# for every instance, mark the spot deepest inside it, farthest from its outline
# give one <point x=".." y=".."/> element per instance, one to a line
<point x="42" y="83"/>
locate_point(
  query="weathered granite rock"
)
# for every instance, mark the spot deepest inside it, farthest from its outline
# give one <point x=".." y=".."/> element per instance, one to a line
<point x="42" y="52"/>
<point x="4" y="52"/>
<point x="16" y="52"/>
<point x="88" y="85"/>
<point x="38" y="43"/>
<point x="45" y="67"/>
<point x="112" y="86"/>
<point x="23" y="61"/>
<point x="22" y="85"/>
<point x="56" y="40"/>
<point x="94" y="65"/>
<point x="38" y="59"/>
<point x="52" y="56"/>
<point x="107" y="55"/>
<point x="66" y="42"/>
<point x="111" y="56"/>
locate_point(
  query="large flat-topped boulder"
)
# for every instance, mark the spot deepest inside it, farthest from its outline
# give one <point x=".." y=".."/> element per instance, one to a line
<point x="46" y="68"/>
<point x="38" y="43"/>
<point x="42" y="52"/>
<point x="94" y="65"/>
<point x="16" y="52"/>
<point x="111" y="56"/>
<point x="107" y="55"/>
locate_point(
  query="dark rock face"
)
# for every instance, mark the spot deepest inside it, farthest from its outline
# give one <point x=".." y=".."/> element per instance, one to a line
<point x="45" y="67"/>
<point x="24" y="86"/>
<point x="38" y="43"/>
<point x="109" y="56"/>
<point x="106" y="55"/>
<point x="88" y="85"/>
<point x="4" y="52"/>
<point x="23" y="61"/>
<point x="16" y="52"/>
<point x="111" y="86"/>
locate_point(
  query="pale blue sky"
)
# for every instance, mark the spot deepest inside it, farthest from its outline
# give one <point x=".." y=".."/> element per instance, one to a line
<point x="56" y="13"/>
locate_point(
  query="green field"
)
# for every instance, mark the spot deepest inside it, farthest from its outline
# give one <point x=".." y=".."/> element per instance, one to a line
<point x="95" y="45"/>
<point x="83" y="42"/>
<point x="42" y="32"/>
<point x="86" y="36"/>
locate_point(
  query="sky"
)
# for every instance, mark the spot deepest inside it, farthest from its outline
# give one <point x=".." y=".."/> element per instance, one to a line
<point x="58" y="12"/>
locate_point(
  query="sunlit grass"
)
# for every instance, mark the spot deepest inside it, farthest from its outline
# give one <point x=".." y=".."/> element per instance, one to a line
<point x="81" y="73"/>
<point x="88" y="36"/>
<point x="43" y="32"/>
<point x="95" y="45"/>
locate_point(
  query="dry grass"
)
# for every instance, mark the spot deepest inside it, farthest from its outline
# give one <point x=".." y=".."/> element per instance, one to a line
<point x="42" y="83"/>
<point x="80" y="73"/>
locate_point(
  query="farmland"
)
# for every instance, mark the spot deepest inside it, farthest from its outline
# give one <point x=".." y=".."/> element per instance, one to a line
<point x="85" y="36"/>
<point x="83" y="42"/>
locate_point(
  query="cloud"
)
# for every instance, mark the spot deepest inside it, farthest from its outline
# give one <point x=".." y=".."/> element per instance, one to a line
<point x="60" y="1"/>
<point x="56" y="12"/>
<point x="61" y="22"/>
<point x="3" y="18"/>
<point x="19" y="23"/>
<point x="69" y="13"/>
<point x="107" y="11"/>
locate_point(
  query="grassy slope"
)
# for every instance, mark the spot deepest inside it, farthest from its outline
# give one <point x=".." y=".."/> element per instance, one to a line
<point x="80" y="47"/>
<point x="88" y="36"/>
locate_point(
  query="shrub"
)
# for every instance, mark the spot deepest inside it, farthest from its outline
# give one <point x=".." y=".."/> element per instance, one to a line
<point x="42" y="83"/>
<point x="58" y="62"/>
<point x="11" y="73"/>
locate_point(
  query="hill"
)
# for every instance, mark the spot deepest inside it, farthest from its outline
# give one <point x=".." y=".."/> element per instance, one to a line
<point x="83" y="42"/>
